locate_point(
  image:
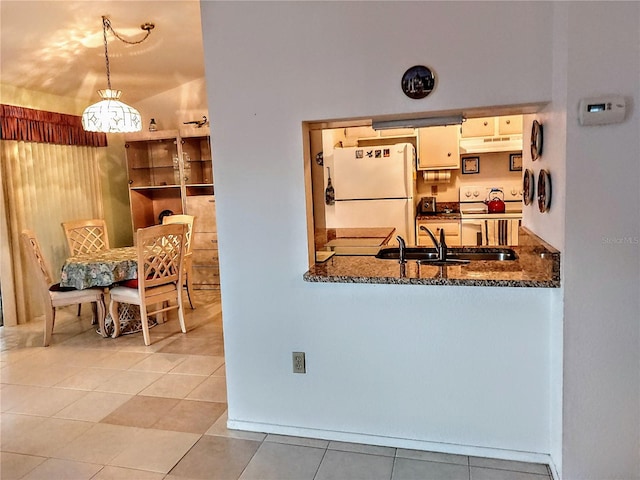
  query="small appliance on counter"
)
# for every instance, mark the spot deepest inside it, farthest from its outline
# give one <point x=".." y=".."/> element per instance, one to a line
<point x="427" y="206"/>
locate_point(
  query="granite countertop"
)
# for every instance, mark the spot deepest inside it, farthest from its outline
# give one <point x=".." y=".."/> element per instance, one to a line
<point x="538" y="265"/>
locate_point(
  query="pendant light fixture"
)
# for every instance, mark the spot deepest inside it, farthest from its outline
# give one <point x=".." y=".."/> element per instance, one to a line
<point x="110" y="115"/>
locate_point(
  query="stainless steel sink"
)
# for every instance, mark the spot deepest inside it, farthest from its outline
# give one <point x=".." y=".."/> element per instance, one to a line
<point x="454" y="255"/>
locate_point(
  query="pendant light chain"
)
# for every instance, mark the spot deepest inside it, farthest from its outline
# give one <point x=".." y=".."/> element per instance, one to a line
<point x="106" y="25"/>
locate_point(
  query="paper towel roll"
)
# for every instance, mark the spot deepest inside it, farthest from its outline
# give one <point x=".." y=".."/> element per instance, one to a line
<point x="436" y="176"/>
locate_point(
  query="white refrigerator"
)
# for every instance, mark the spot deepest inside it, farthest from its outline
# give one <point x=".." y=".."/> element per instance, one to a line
<point x="374" y="188"/>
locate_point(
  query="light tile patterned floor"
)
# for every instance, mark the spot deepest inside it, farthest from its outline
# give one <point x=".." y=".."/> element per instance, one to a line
<point x="107" y="409"/>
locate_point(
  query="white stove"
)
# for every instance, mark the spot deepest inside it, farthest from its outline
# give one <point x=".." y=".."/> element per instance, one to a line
<point x="478" y="226"/>
<point x="472" y="199"/>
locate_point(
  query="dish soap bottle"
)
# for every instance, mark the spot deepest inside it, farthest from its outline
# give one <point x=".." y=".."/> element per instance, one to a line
<point x="329" y="193"/>
<point x="152" y="125"/>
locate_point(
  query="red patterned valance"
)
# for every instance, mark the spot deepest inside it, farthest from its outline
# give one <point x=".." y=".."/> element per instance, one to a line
<point x="29" y="125"/>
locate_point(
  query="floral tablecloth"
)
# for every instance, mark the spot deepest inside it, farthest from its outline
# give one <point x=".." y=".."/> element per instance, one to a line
<point x="100" y="269"/>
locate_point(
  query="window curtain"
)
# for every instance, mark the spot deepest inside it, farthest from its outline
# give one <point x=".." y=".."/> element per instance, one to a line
<point x="44" y="185"/>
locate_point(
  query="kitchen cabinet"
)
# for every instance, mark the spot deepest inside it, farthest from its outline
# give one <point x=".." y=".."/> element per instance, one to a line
<point x="491" y="126"/>
<point x="510" y="125"/>
<point x="478" y="127"/>
<point x="451" y="231"/>
<point x="172" y="170"/>
<point x="438" y="148"/>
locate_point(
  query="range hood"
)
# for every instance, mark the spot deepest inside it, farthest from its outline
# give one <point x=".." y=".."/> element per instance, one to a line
<point x="503" y="143"/>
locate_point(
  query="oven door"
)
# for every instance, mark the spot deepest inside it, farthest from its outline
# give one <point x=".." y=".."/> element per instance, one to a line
<point x="471" y="232"/>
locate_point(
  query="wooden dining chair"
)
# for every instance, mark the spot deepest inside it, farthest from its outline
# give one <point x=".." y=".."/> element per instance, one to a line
<point x="86" y="236"/>
<point x="188" y="255"/>
<point x="56" y="296"/>
<point x="160" y="257"/>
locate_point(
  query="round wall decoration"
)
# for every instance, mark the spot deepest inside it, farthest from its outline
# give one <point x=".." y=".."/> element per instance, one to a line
<point x="418" y="82"/>
<point x="544" y="191"/>
<point x="528" y="187"/>
<point x="536" y="140"/>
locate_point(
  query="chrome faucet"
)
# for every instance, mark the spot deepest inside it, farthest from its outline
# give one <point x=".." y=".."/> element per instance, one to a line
<point x="441" y="246"/>
<point x="401" y="250"/>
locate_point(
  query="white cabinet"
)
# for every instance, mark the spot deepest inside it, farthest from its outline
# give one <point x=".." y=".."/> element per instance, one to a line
<point x="438" y="148"/>
<point x="478" y="127"/>
<point x="491" y="126"/>
<point x="451" y="231"/>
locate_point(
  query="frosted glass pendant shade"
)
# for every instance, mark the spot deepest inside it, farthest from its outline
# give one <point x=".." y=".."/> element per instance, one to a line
<point x="110" y="115"/>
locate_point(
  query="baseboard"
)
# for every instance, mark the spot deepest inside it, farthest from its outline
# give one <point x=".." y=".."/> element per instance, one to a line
<point x="387" y="441"/>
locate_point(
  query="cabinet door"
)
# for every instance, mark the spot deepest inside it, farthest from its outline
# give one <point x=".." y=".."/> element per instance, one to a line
<point x="204" y="241"/>
<point x="510" y="125"/>
<point x="451" y="231"/>
<point x="438" y="148"/>
<point x="478" y="127"/>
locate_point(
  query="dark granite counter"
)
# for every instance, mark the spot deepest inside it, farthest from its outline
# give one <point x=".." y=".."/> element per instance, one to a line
<point x="538" y="266"/>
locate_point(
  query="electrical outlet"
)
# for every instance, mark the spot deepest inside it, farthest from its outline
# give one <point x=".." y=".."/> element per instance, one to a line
<point x="299" y="365"/>
<point x="434" y="189"/>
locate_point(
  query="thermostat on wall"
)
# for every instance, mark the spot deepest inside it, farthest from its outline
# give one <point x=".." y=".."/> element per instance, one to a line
<point x="602" y="110"/>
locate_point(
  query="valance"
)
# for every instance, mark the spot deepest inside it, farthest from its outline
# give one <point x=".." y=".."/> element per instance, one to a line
<point x="29" y="125"/>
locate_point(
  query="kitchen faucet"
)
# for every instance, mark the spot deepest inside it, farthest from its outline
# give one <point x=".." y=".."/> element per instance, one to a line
<point x="441" y="247"/>
<point x="401" y="250"/>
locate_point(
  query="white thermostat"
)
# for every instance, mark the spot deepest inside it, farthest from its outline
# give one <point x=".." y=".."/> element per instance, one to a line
<point x="602" y="110"/>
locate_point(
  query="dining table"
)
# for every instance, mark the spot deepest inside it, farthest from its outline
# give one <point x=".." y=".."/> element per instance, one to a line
<point x="106" y="268"/>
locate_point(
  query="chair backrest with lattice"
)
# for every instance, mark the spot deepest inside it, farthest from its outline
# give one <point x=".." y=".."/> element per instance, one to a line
<point x="86" y="236"/>
<point x="39" y="264"/>
<point x="187" y="220"/>
<point x="161" y="250"/>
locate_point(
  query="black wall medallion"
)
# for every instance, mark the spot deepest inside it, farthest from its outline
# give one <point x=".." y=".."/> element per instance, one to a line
<point x="418" y="82"/>
<point x="320" y="158"/>
<point x="536" y="140"/>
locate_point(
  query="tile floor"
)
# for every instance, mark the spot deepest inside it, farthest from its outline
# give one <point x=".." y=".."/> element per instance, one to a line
<point x="107" y="409"/>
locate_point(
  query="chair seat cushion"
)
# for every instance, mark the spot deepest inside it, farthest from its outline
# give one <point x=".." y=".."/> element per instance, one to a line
<point x="67" y="297"/>
<point x="130" y="295"/>
<point x="57" y="288"/>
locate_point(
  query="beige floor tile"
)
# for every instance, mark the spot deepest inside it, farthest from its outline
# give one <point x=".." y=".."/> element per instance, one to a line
<point x="15" y="465"/>
<point x="361" y="448"/>
<point x="63" y="469"/>
<point x="191" y="416"/>
<point x="354" y="466"/>
<point x="219" y="428"/>
<point x="480" y="473"/>
<point x="408" y="469"/>
<point x="508" y="465"/>
<point x="38" y="376"/>
<point x="94" y="406"/>
<point x="119" y="473"/>
<point x="122" y="360"/>
<point x="159" y="362"/>
<point x="213" y="389"/>
<point x="221" y="372"/>
<point x="13" y="395"/>
<point x="432" y="456"/>
<point x="155" y="450"/>
<point x="173" y="385"/>
<point x="88" y="378"/>
<point x="100" y="444"/>
<point x="40" y="439"/>
<point x="215" y="458"/>
<point x="15" y="430"/>
<point x="302" y="441"/>
<point x="49" y="402"/>
<point x="128" y="382"/>
<point x="277" y="461"/>
<point x="199" y="365"/>
<point x="141" y="411"/>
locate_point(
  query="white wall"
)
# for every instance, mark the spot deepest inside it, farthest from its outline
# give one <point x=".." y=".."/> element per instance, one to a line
<point x="453" y="369"/>
<point x="602" y="245"/>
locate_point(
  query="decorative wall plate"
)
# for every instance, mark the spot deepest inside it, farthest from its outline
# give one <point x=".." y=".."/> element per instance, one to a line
<point x="528" y="187"/>
<point x="536" y="140"/>
<point x="418" y="82"/>
<point x="544" y="191"/>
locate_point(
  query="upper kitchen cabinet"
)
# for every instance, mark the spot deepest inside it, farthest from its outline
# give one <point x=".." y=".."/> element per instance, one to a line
<point x="438" y="148"/>
<point x="491" y="126"/>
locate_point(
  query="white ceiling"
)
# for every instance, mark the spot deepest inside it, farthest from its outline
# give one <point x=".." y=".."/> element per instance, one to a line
<point x="57" y="46"/>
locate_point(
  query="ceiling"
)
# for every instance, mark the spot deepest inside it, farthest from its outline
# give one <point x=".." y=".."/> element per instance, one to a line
<point x="57" y="46"/>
